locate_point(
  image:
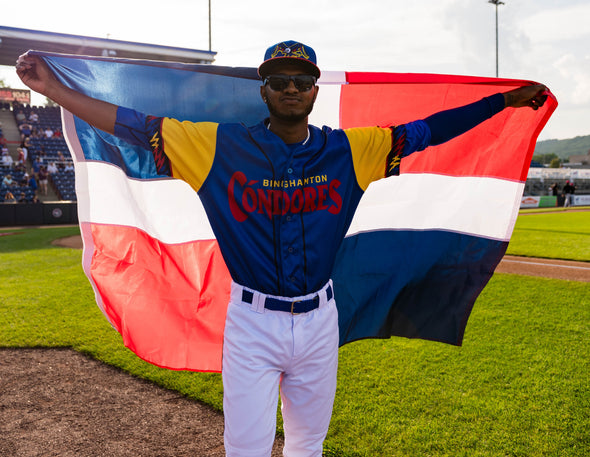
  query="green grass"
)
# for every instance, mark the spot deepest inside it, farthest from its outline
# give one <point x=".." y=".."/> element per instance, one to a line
<point x="519" y="386"/>
<point x="555" y="235"/>
<point x="46" y="301"/>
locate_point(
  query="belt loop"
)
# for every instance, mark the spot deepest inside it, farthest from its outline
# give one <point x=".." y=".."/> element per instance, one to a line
<point x="326" y="294"/>
<point x="258" y="302"/>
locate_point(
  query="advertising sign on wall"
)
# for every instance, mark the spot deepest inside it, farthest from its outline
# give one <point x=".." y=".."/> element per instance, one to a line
<point x="15" y="95"/>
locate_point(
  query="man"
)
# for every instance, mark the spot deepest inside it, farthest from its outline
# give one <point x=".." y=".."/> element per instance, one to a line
<point x="282" y="324"/>
<point x="568" y="191"/>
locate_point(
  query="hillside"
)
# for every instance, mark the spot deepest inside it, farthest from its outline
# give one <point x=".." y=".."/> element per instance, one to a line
<point x="564" y="148"/>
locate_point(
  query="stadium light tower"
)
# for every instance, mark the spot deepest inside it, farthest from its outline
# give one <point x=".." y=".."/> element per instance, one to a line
<point x="496" y="2"/>
<point x="209" y="25"/>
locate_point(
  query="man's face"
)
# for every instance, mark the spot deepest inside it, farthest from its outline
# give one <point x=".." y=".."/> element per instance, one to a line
<point x="289" y="104"/>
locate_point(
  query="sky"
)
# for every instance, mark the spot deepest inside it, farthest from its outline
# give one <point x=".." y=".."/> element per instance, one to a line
<point x="546" y="41"/>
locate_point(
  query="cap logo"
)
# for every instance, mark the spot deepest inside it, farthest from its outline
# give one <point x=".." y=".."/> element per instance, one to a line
<point x="297" y="50"/>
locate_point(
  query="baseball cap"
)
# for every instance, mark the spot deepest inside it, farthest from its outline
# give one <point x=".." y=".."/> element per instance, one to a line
<point x="292" y="52"/>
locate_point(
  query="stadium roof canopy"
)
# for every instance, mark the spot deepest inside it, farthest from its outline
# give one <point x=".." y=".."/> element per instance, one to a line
<point x="14" y="42"/>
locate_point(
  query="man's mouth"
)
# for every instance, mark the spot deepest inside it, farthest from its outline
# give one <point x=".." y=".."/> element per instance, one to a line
<point x="290" y="100"/>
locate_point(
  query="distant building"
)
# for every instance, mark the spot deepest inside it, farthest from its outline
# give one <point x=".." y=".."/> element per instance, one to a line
<point x="579" y="161"/>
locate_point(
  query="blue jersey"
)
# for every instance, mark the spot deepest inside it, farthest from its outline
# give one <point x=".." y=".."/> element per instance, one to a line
<point x="278" y="211"/>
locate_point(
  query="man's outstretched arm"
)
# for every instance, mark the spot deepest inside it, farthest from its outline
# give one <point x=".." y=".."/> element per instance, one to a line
<point x="35" y="73"/>
<point x="448" y="124"/>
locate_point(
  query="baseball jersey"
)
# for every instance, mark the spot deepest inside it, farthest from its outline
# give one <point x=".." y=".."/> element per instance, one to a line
<point x="279" y="211"/>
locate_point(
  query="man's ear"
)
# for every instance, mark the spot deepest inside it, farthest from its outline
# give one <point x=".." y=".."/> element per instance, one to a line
<point x="317" y="89"/>
<point x="263" y="93"/>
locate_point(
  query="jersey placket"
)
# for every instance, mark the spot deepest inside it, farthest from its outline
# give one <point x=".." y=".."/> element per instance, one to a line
<point x="291" y="239"/>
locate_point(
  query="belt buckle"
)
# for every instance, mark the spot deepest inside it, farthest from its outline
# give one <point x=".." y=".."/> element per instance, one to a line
<point x="292" y="305"/>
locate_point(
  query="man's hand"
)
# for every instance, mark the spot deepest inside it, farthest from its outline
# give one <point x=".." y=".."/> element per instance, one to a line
<point x="33" y="72"/>
<point x="532" y="96"/>
<point x="36" y="74"/>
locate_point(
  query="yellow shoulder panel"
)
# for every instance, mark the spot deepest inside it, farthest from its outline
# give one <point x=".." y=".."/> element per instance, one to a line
<point x="370" y="147"/>
<point x="190" y="146"/>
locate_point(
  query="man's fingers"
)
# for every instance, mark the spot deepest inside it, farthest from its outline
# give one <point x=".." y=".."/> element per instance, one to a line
<point x="26" y="60"/>
<point x="538" y="101"/>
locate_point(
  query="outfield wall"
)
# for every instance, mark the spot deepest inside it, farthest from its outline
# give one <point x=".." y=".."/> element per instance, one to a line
<point x="23" y="214"/>
<point x="545" y="201"/>
<point x="581" y="200"/>
<point x="18" y="214"/>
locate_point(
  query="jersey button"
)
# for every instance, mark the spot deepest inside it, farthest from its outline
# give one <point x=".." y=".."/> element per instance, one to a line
<point x="291" y="249"/>
<point x="289" y="170"/>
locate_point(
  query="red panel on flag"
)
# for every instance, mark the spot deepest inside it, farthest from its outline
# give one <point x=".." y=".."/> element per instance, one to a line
<point x="414" y="97"/>
<point x="163" y="298"/>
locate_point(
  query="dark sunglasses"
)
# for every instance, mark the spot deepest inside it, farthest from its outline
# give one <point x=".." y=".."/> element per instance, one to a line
<point x="278" y="83"/>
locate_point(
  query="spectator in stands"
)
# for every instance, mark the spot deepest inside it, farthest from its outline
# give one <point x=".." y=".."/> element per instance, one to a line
<point x="7" y="181"/>
<point x="37" y="133"/>
<point x="22" y="198"/>
<point x="43" y="179"/>
<point x="21" y="156"/>
<point x="37" y="165"/>
<point x="25" y="130"/>
<point x="9" y="198"/>
<point x="20" y="116"/>
<point x="48" y="132"/>
<point x="33" y="117"/>
<point x="52" y="168"/>
<point x="20" y="167"/>
<point x="7" y="160"/>
<point x="26" y="143"/>
<point x="42" y="155"/>
<point x="69" y="167"/>
<point x="33" y="183"/>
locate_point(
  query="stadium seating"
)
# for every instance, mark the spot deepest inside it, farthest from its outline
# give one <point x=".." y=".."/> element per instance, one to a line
<point x="16" y="188"/>
<point x="50" y="149"/>
<point x="63" y="182"/>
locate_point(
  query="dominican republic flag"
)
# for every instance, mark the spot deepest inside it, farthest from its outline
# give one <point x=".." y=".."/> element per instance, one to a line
<point x="419" y="251"/>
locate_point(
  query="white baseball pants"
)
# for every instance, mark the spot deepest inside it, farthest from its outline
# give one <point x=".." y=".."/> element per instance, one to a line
<point x="264" y="350"/>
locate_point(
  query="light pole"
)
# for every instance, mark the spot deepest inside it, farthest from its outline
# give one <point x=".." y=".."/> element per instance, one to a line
<point x="210" y="25"/>
<point x="496" y="2"/>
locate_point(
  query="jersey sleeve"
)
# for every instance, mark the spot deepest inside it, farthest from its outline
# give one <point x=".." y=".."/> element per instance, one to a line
<point x="448" y="124"/>
<point x="183" y="150"/>
<point x="377" y="152"/>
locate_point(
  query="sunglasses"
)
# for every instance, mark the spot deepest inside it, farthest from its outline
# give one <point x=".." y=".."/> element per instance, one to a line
<point x="278" y="83"/>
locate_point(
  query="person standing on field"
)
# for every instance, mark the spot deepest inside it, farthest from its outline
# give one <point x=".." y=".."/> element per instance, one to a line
<point x="281" y="332"/>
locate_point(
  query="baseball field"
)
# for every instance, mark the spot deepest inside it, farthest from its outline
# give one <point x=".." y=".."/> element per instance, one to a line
<point x="519" y="385"/>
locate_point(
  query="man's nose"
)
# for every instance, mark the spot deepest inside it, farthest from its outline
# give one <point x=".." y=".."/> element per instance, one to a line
<point x="291" y="86"/>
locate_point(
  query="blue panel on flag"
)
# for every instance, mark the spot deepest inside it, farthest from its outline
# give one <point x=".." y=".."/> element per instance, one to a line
<point x="182" y="91"/>
<point x="416" y="284"/>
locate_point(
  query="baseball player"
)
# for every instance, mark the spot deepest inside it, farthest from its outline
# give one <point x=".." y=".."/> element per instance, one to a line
<point x="280" y="196"/>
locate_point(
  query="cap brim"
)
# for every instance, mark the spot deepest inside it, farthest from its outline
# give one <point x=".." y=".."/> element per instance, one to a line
<point x="268" y="67"/>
